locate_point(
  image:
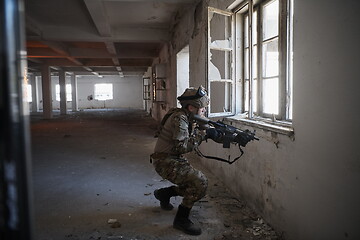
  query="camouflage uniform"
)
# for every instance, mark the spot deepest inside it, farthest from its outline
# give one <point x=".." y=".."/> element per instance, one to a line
<point x="177" y="136"/>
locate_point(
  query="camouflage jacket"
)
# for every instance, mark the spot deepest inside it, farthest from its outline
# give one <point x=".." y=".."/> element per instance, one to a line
<point x="176" y="135"/>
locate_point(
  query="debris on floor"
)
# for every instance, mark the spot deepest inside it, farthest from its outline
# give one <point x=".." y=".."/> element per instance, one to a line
<point x="86" y="193"/>
<point x="114" y="223"/>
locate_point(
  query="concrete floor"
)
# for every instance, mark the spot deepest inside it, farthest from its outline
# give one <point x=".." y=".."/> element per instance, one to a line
<point x="92" y="166"/>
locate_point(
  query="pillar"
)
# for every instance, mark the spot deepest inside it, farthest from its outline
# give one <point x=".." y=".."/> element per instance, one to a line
<point x="34" y="93"/>
<point x="62" y="84"/>
<point x="46" y="92"/>
<point x="74" y="92"/>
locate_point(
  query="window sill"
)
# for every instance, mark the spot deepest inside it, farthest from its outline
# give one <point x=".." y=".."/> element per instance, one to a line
<point x="277" y="127"/>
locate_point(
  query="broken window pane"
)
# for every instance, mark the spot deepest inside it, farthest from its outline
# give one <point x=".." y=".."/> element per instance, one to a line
<point x="220" y="31"/>
<point x="220" y="96"/>
<point x="220" y="60"/>
<point x="219" y="65"/>
<point x="220" y="44"/>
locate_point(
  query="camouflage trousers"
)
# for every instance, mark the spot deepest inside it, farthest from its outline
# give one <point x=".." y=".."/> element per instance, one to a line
<point x="191" y="183"/>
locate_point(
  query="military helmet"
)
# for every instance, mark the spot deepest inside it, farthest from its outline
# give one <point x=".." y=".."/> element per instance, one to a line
<point x="195" y="97"/>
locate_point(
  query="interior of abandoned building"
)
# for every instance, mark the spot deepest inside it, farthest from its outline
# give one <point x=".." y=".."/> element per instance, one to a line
<point x="85" y="83"/>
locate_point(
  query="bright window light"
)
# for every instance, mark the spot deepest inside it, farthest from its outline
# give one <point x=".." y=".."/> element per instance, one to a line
<point x="68" y="92"/>
<point x="103" y="91"/>
<point x="266" y="63"/>
<point x="28" y="93"/>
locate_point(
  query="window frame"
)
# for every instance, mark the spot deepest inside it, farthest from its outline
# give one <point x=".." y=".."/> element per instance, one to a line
<point x="282" y="122"/>
<point x="247" y="9"/>
<point x="284" y="38"/>
<point x="231" y="50"/>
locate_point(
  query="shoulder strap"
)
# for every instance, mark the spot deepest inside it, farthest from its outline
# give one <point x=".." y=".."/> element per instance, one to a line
<point x="165" y="118"/>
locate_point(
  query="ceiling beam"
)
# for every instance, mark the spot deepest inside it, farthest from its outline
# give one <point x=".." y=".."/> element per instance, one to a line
<point x="112" y="50"/>
<point x="56" y="68"/>
<point x="34" y="60"/>
<point x="89" y="53"/>
<point x="91" y="71"/>
<point x="65" y="62"/>
<point x="43" y="53"/>
<point x="62" y="50"/>
<point x="32" y="26"/>
<point x="157" y="1"/>
<point x="121" y="34"/>
<point x="57" y="47"/>
<point x="99" y="16"/>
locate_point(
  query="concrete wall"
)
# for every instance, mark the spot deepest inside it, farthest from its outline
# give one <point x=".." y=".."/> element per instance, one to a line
<point x="307" y="187"/>
<point x="122" y="97"/>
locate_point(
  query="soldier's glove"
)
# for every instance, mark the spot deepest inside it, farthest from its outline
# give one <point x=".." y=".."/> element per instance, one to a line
<point x="243" y="139"/>
<point x="214" y="134"/>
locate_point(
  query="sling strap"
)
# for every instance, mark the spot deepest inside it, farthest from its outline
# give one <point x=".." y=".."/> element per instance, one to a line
<point x="199" y="153"/>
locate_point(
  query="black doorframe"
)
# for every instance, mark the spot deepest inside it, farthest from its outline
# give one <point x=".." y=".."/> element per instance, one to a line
<point x="15" y="164"/>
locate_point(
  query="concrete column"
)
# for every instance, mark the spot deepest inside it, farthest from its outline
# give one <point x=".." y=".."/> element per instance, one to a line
<point x="62" y="84"/>
<point x="46" y="92"/>
<point x="74" y="92"/>
<point x="34" y="93"/>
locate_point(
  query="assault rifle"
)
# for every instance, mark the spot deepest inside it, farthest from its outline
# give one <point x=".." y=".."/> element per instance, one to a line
<point x="230" y="134"/>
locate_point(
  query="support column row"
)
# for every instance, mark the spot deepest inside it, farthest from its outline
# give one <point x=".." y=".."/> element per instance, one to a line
<point x="47" y="92"/>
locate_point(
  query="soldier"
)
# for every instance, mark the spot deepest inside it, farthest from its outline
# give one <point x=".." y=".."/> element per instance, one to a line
<point x="177" y="135"/>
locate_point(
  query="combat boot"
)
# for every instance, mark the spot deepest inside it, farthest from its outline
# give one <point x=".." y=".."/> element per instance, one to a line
<point x="183" y="223"/>
<point x="164" y="195"/>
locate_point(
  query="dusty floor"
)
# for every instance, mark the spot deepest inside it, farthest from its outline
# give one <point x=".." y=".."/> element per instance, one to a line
<point x="93" y="166"/>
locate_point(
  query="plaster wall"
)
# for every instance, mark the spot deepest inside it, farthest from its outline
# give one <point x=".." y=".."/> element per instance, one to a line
<point x="182" y="71"/>
<point x="306" y="186"/>
<point x="185" y="32"/>
<point x="122" y="96"/>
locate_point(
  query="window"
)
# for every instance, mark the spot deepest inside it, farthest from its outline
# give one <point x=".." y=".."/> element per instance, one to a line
<point x="221" y="81"/>
<point x="262" y="56"/>
<point x="182" y="71"/>
<point x="146" y="88"/>
<point x="28" y="93"/>
<point x="266" y="61"/>
<point x="103" y="91"/>
<point x="68" y="92"/>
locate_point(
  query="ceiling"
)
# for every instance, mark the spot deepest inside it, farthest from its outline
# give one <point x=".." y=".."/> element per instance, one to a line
<point x="100" y="37"/>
